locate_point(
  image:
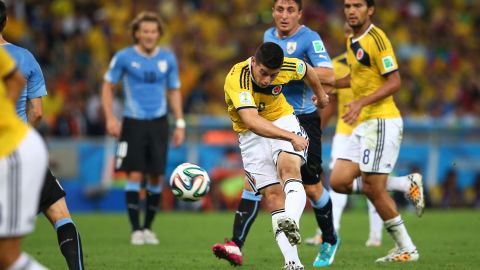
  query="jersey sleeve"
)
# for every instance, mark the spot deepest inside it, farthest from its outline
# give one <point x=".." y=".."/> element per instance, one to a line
<point x="115" y="69"/>
<point x="293" y="69"/>
<point x="316" y="51"/>
<point x="385" y="59"/>
<point x="239" y="96"/>
<point x="173" y="81"/>
<point x="7" y="63"/>
<point x="35" y="81"/>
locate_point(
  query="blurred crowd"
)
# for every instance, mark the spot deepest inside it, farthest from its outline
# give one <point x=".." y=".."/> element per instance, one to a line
<point x="73" y="40"/>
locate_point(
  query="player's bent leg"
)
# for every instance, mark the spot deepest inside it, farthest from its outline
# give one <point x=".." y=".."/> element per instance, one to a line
<point x="376" y="227"/>
<point x="343" y="174"/>
<point x="374" y="188"/>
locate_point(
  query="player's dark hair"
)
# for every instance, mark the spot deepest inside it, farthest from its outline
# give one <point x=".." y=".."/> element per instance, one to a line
<point x="299" y="3"/>
<point x="270" y="55"/>
<point x="370" y="3"/>
<point x="145" y="16"/>
<point x="3" y="15"/>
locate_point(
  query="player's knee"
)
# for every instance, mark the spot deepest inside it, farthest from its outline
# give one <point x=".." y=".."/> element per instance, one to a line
<point x="289" y="171"/>
<point x="274" y="197"/>
<point x="313" y="191"/>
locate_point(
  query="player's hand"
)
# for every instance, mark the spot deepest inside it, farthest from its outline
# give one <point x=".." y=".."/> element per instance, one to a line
<point x="178" y="137"/>
<point x="113" y="127"/>
<point x="321" y="102"/>
<point x="354" y="109"/>
<point x="299" y="143"/>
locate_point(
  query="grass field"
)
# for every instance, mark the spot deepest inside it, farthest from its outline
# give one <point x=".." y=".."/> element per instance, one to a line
<point x="445" y="239"/>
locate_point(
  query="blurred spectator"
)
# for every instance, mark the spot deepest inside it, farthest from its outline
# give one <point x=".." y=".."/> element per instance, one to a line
<point x="436" y="42"/>
<point x="452" y="196"/>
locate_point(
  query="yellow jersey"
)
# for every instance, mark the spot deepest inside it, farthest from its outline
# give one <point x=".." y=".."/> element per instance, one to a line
<point x="12" y="128"/>
<point x="344" y="95"/>
<point x="370" y="58"/>
<point x="242" y="92"/>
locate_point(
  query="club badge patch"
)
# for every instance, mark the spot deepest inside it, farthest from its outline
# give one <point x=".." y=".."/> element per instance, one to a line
<point x="360" y="54"/>
<point x="162" y="66"/>
<point x="277" y="90"/>
<point x="291" y="47"/>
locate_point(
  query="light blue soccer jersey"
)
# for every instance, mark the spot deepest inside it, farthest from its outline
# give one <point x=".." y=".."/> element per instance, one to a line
<point x="307" y="45"/>
<point x="145" y="81"/>
<point x="32" y="72"/>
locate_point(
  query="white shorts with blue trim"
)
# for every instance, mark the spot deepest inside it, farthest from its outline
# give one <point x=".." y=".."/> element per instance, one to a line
<point x="259" y="154"/>
<point x="375" y="144"/>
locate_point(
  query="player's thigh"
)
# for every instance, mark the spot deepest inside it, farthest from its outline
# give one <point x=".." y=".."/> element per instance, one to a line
<point x="132" y="147"/>
<point x="157" y="149"/>
<point x="289" y="123"/>
<point x="21" y="180"/>
<point x="274" y="197"/>
<point x="52" y="191"/>
<point x="257" y="160"/>
<point x="343" y="174"/>
<point x="380" y="145"/>
<point x="288" y="166"/>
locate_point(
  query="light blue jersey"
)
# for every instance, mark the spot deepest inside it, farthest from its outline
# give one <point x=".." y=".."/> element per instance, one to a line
<point x="32" y="72"/>
<point x="307" y="45"/>
<point x="145" y="81"/>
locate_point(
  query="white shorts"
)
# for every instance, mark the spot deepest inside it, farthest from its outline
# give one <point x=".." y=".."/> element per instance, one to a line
<point x="21" y="179"/>
<point x="259" y="154"/>
<point x="339" y="145"/>
<point x="374" y="145"/>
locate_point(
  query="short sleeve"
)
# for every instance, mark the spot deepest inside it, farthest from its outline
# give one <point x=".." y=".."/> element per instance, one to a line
<point x="35" y="80"/>
<point x="236" y="92"/>
<point x="295" y="68"/>
<point x="316" y="51"/>
<point x="115" y="69"/>
<point x="385" y="58"/>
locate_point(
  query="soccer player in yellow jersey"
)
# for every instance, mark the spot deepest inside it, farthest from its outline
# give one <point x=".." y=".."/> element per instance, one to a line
<point x="272" y="143"/>
<point x="373" y="147"/>
<point x="23" y="161"/>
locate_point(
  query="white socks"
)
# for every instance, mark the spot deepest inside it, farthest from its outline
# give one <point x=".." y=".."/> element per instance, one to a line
<point x="339" y="201"/>
<point x="295" y="199"/>
<point x="375" y="221"/>
<point x="398" y="232"/>
<point x="25" y="262"/>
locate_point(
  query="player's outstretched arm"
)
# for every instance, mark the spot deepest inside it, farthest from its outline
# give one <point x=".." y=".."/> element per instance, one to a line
<point x="312" y="80"/>
<point x="265" y="128"/>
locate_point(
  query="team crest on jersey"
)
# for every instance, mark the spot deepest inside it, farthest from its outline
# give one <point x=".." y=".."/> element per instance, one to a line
<point x="360" y="54"/>
<point x="291" y="47"/>
<point x="162" y="66"/>
<point x="277" y="90"/>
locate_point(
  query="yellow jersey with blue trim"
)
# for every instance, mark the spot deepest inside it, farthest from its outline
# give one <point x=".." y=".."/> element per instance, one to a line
<point x="370" y="58"/>
<point x="12" y="128"/>
<point x="344" y="95"/>
<point x="242" y="92"/>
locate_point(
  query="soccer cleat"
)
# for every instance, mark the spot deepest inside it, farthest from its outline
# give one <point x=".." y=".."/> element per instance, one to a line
<point x="150" y="237"/>
<point x="373" y="242"/>
<point x="397" y="255"/>
<point x="326" y="255"/>
<point x="293" y="266"/>
<point x="315" y="240"/>
<point x="290" y="228"/>
<point x="137" y="238"/>
<point x="228" y="251"/>
<point x="415" y="192"/>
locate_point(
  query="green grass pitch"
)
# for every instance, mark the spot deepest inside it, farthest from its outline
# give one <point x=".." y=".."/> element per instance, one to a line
<point x="445" y="239"/>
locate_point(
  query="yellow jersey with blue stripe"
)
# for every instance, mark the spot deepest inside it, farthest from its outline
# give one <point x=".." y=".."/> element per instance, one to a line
<point x="12" y="128"/>
<point x="242" y="92"/>
<point x="344" y="95"/>
<point x="371" y="57"/>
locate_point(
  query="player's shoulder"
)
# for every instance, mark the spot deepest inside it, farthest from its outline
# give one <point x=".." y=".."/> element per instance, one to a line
<point x="166" y="52"/>
<point x="270" y="33"/>
<point x="16" y="50"/>
<point x="378" y="37"/>
<point x="125" y="52"/>
<point x="307" y="33"/>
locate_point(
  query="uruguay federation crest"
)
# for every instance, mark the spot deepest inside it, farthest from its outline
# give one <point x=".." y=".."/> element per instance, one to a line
<point x="291" y="47"/>
<point x="162" y="66"/>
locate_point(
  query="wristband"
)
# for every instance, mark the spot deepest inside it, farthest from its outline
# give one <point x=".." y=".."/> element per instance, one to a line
<point x="180" y="123"/>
